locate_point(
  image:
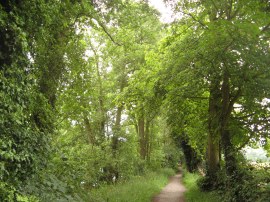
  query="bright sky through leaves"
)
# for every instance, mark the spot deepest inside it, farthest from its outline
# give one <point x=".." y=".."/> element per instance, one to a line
<point x="166" y="12"/>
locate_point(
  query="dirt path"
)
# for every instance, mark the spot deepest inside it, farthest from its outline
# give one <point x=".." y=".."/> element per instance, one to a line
<point x="172" y="192"/>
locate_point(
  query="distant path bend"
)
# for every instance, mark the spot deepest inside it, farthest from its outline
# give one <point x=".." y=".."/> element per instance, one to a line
<point x="172" y="192"/>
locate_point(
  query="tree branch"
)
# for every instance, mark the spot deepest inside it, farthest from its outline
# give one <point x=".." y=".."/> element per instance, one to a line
<point x="232" y="101"/>
<point x="246" y="116"/>
<point x="107" y="33"/>
<point x="195" y="19"/>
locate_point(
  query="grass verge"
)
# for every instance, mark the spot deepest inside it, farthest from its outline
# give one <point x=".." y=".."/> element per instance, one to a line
<point x="193" y="193"/>
<point x="138" y="188"/>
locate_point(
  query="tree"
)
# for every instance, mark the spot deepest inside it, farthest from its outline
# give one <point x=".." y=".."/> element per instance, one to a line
<point x="92" y="94"/>
<point x="222" y="47"/>
<point x="33" y="39"/>
<point x="25" y="141"/>
<point x="135" y="39"/>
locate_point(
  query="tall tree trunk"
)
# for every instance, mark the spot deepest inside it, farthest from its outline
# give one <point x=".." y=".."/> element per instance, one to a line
<point x="146" y="140"/>
<point x="117" y="129"/>
<point x="102" y="112"/>
<point x="191" y="158"/>
<point x="227" y="103"/>
<point x="89" y="132"/>
<point x="117" y="125"/>
<point x="213" y="144"/>
<point x="229" y="154"/>
<point x="213" y="160"/>
<point x="213" y="149"/>
<point x="143" y="131"/>
<point x="142" y="136"/>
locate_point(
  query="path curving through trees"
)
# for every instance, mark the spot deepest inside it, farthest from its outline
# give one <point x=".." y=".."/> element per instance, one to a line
<point x="173" y="191"/>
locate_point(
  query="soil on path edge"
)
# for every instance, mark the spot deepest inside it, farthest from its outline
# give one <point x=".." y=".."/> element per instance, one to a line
<point x="173" y="191"/>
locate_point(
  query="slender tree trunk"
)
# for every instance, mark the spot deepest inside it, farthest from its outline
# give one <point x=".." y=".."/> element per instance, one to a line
<point x="89" y="132"/>
<point x="117" y="125"/>
<point x="102" y="111"/>
<point x="146" y="140"/>
<point x="116" y="129"/>
<point x="141" y="125"/>
<point x="144" y="137"/>
<point x="102" y="121"/>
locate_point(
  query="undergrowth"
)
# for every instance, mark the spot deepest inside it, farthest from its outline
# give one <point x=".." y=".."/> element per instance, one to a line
<point x="193" y="193"/>
<point x="138" y="188"/>
<point x="252" y="185"/>
<point x="248" y="184"/>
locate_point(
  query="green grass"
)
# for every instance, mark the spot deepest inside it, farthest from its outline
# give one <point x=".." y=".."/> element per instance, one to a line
<point x="137" y="189"/>
<point x="193" y="193"/>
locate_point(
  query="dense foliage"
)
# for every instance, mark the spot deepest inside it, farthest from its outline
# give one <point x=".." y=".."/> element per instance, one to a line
<point x="97" y="92"/>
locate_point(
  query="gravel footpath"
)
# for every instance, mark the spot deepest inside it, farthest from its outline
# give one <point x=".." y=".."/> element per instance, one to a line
<point x="172" y="192"/>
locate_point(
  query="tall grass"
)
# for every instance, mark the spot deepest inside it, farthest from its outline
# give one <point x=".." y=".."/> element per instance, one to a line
<point x="137" y="189"/>
<point x="193" y="193"/>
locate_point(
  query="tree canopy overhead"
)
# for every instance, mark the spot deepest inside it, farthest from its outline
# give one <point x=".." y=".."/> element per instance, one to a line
<point x="95" y="92"/>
